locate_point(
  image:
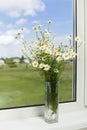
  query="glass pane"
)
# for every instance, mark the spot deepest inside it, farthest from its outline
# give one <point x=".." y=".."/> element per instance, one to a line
<point x="20" y="84"/>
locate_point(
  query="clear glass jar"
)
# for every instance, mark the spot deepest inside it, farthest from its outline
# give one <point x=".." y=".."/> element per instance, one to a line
<point x="51" y="102"/>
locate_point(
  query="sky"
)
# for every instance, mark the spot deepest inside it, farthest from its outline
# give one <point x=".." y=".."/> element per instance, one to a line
<point x="16" y="14"/>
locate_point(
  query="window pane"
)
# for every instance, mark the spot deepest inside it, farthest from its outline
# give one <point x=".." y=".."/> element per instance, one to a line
<point x="20" y="84"/>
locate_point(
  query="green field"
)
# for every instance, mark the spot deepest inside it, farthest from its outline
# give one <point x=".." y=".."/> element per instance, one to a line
<point x="22" y="86"/>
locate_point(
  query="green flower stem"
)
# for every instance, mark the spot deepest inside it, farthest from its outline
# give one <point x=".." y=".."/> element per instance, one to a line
<point x="52" y="94"/>
<point x="54" y="97"/>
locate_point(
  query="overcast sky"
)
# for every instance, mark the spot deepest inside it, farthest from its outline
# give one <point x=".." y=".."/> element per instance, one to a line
<point x="15" y="14"/>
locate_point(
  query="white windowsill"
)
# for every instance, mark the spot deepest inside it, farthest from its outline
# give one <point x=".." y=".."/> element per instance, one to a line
<point x="67" y="121"/>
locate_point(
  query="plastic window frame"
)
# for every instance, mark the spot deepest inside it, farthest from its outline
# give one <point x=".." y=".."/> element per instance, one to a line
<point x="26" y="112"/>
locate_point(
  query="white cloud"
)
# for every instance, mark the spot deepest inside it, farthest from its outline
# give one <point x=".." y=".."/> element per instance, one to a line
<point x="1" y="23"/>
<point x="14" y="14"/>
<point x="30" y="12"/>
<point x="11" y="32"/>
<point x="9" y="26"/>
<point x="6" y="39"/>
<point x="36" y="22"/>
<point x="26" y="31"/>
<point x="16" y="8"/>
<point x="21" y="21"/>
<point x="10" y="51"/>
<point x="8" y="45"/>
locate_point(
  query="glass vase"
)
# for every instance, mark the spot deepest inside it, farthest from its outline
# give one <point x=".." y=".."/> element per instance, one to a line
<point x="51" y="102"/>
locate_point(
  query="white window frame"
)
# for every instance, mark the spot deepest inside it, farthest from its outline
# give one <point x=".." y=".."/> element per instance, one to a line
<point x="85" y="52"/>
<point x="27" y="112"/>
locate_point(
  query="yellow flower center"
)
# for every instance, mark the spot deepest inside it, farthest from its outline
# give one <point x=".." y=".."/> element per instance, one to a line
<point x="46" y="40"/>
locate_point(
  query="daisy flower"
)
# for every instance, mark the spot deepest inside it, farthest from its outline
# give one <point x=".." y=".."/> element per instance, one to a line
<point x="58" y="59"/>
<point x="47" y="34"/>
<point x="77" y="39"/>
<point x="46" y="67"/>
<point x="35" y="64"/>
<point x="66" y="56"/>
<point x="48" y="51"/>
<point x="41" y="65"/>
<point x="42" y="47"/>
<point x="44" y="58"/>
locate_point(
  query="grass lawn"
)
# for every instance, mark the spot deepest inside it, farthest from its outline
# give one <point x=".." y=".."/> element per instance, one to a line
<point x="21" y="86"/>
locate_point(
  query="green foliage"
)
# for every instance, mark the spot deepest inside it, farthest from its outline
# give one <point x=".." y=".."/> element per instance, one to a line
<point x="22" y="59"/>
<point x="10" y="62"/>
